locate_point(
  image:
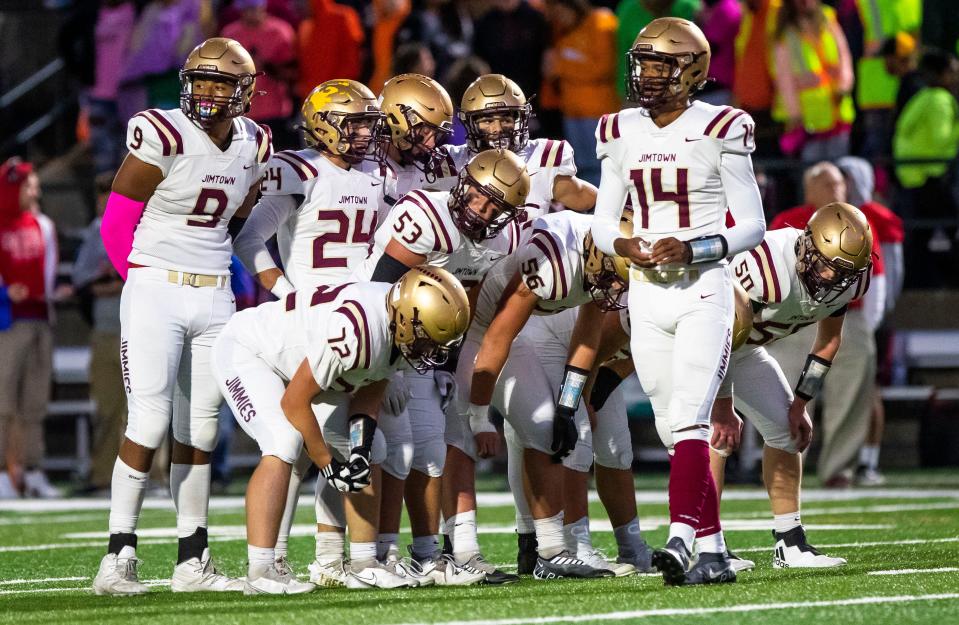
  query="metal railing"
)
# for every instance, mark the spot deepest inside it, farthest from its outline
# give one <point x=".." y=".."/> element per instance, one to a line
<point x="47" y="119"/>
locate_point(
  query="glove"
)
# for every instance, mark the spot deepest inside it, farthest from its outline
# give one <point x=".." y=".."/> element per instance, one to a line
<point x="397" y="395"/>
<point x="362" y="429"/>
<point x="565" y="433"/>
<point x="339" y="477"/>
<point x="446" y="385"/>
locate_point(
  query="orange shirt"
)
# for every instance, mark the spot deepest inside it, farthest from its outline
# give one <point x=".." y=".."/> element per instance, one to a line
<point x="585" y="66"/>
<point x="752" y="82"/>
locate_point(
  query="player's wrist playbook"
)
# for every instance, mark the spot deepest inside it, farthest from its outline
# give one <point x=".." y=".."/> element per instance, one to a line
<point x="707" y="249"/>
<point x="574" y="381"/>
<point x="811" y="379"/>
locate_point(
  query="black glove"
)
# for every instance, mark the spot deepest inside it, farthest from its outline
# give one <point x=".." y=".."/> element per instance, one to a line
<point x="339" y="477"/>
<point x="362" y="429"/>
<point x="565" y="434"/>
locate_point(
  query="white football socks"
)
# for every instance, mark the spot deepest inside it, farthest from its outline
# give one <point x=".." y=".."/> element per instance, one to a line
<point x="126" y="497"/>
<point x="465" y="540"/>
<point x="785" y="522"/>
<point x="869" y="456"/>
<point x="361" y="554"/>
<point x="190" y="487"/>
<point x="549" y="535"/>
<point x="714" y="543"/>
<point x="330" y="546"/>
<point x="685" y="531"/>
<point x="259" y="559"/>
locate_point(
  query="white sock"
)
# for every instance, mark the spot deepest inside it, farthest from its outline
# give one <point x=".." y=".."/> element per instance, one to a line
<point x="714" y="543"/>
<point x="329" y="546"/>
<point x="286" y="524"/>
<point x="549" y="535"/>
<point x="465" y="540"/>
<point x="126" y="552"/>
<point x="384" y="543"/>
<point x="524" y="524"/>
<point x="126" y="497"/>
<point x="362" y="553"/>
<point x="683" y="530"/>
<point x="629" y="539"/>
<point x="259" y="558"/>
<point x="785" y="522"/>
<point x="577" y="537"/>
<point x="869" y="456"/>
<point x="425" y="546"/>
<point x="190" y="487"/>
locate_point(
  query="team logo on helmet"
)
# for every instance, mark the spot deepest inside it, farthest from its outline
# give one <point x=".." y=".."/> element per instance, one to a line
<point x="342" y="117"/>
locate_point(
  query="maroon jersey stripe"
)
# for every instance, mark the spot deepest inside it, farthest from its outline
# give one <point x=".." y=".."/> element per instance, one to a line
<point x="544" y="248"/>
<point x="366" y="333"/>
<point x="163" y="140"/>
<point x="559" y="154"/>
<point x="777" y="295"/>
<point x="603" y="121"/>
<point x="616" y="126"/>
<point x="716" y="119"/>
<point x="304" y="176"/>
<point x="424" y="203"/>
<point x="728" y="125"/>
<point x="357" y="332"/>
<point x="543" y="158"/>
<point x="762" y="274"/>
<point x="303" y="161"/>
<point x="262" y="133"/>
<point x="177" y="137"/>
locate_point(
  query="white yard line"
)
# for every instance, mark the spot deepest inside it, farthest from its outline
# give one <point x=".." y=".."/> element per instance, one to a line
<point x="878" y="543"/>
<point x="943" y="569"/>
<point x="748" y="607"/>
<point x="41" y="580"/>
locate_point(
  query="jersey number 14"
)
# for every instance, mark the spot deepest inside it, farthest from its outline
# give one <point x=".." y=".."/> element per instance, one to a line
<point x="651" y="179"/>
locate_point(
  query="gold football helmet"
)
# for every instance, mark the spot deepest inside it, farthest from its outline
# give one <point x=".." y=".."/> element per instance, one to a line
<point x="490" y="100"/>
<point x="417" y="109"/>
<point x="743" y="319"/>
<point x="217" y="60"/>
<point x="429" y="314"/>
<point x="675" y="53"/>
<point x="834" y="251"/>
<point x="496" y="176"/>
<point x="343" y="118"/>
<point x="607" y="276"/>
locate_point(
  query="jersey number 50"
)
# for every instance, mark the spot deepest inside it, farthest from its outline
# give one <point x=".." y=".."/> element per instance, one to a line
<point x="647" y="179"/>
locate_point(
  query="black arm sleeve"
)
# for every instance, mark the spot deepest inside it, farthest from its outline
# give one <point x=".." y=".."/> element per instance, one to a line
<point x="388" y="269"/>
<point x="606" y="382"/>
<point x="233" y="228"/>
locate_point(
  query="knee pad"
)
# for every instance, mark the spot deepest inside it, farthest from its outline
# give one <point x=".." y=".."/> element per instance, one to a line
<point x="398" y="459"/>
<point x="692" y="434"/>
<point x="378" y="450"/>
<point x="614" y="456"/>
<point x="286" y="444"/>
<point x="429" y="457"/>
<point x="149" y="432"/>
<point x="665" y="434"/>
<point x="782" y="441"/>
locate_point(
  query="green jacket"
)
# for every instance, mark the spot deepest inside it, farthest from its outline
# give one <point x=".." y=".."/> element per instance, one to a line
<point x="927" y="128"/>
<point x="633" y="17"/>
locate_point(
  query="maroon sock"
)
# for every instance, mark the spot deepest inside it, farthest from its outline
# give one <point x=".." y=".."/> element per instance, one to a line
<point x="709" y="519"/>
<point x="689" y="480"/>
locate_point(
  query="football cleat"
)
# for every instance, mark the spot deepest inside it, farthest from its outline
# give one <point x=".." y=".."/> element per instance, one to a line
<point x="200" y="575"/>
<point x="446" y="572"/>
<point x="328" y="575"/>
<point x="526" y="554"/>
<point x="373" y="575"/>
<point x="494" y="576"/>
<point x="118" y="575"/>
<point x="417" y="572"/>
<point x="866" y="476"/>
<point x="565" y="565"/>
<point x="642" y="561"/>
<point x="792" y="551"/>
<point x="711" y="568"/>
<point x="598" y="560"/>
<point x="275" y="580"/>
<point x="7" y="491"/>
<point x="740" y="564"/>
<point x="36" y="485"/>
<point x="672" y="561"/>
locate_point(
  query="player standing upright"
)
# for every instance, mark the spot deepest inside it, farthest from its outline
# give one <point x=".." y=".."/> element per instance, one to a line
<point x="189" y="171"/>
<point x="683" y="164"/>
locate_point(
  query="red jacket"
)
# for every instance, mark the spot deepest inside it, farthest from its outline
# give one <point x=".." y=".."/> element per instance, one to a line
<point x="22" y="249"/>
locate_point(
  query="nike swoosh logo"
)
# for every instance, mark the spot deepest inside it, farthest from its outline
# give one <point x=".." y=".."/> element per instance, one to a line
<point x="368" y="580"/>
<point x="247" y="166"/>
<point x="688" y="140"/>
<point x="705" y="296"/>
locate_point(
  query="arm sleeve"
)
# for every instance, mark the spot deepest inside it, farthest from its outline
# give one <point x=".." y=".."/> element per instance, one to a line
<point x="742" y="192"/>
<point x="263" y="222"/>
<point x="120" y="221"/>
<point x="874" y="302"/>
<point x="609" y="205"/>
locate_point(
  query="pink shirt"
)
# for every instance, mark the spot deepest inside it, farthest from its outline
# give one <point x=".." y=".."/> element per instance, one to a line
<point x="720" y="24"/>
<point x="112" y="35"/>
<point x="270" y="43"/>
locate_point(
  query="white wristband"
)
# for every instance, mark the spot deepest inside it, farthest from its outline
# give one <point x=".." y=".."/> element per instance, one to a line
<point x="479" y="419"/>
<point x="282" y="287"/>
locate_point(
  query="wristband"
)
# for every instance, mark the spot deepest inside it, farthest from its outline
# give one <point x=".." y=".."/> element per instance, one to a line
<point x="282" y="287"/>
<point x="813" y="374"/>
<point x="362" y="429"/>
<point x="479" y="419"/>
<point x="606" y="382"/>
<point x="574" y="381"/>
<point x="707" y="249"/>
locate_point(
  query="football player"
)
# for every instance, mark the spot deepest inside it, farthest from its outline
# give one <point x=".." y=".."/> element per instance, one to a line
<point x="189" y="171"/>
<point x="558" y="268"/>
<point x="795" y="278"/>
<point x="465" y="231"/>
<point x="683" y="164"/>
<point x="323" y="209"/>
<point x="312" y="368"/>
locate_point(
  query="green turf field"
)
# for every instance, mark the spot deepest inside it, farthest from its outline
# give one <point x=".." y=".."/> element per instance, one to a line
<point x="902" y="543"/>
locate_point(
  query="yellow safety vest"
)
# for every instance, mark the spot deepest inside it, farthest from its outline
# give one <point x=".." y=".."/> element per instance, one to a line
<point x="820" y="111"/>
<point x="882" y="19"/>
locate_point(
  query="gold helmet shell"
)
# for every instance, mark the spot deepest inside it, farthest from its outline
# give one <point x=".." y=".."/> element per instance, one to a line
<point x="429" y="314"/>
<point x="412" y="100"/>
<point x="682" y="51"/>
<point x="834" y="251"/>
<point x="495" y="94"/>
<point x="743" y="319"/>
<point x="330" y="113"/>
<point x="219" y="60"/>
<point x="607" y="275"/>
<point x="501" y="176"/>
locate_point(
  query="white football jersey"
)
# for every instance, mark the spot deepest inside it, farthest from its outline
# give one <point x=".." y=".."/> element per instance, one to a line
<point x="184" y="223"/>
<point x="545" y="159"/>
<point x="781" y="303"/>
<point x="550" y="260"/>
<point x="672" y="174"/>
<point x="406" y="178"/>
<point x="343" y="332"/>
<point x="328" y="222"/>
<point x="421" y="222"/>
